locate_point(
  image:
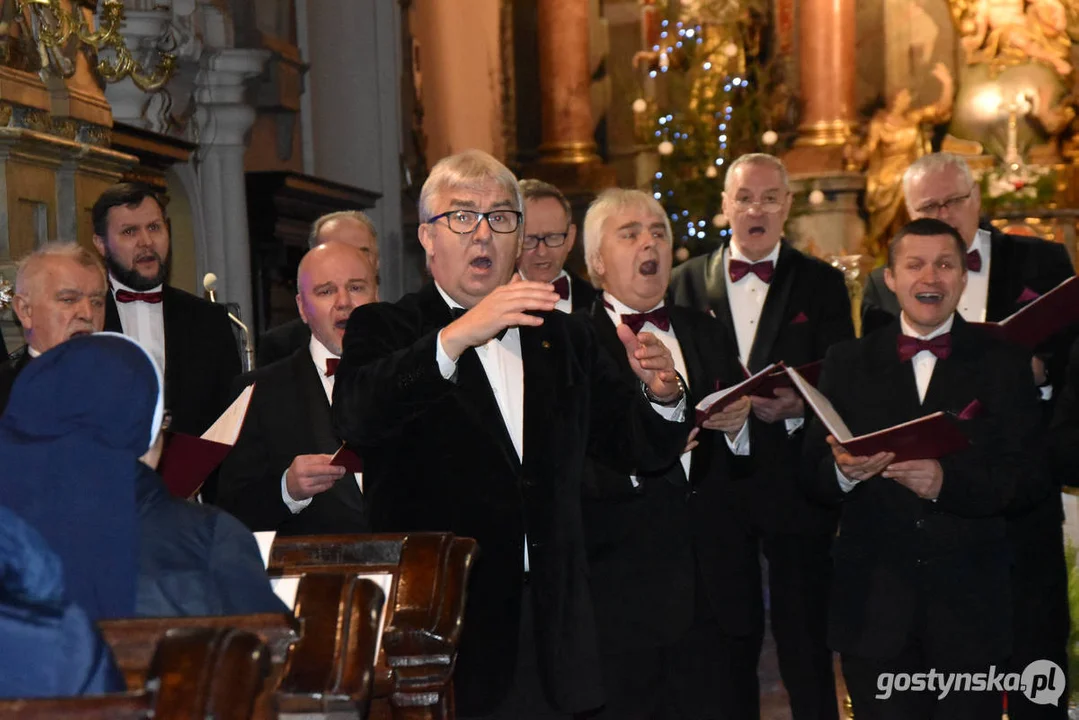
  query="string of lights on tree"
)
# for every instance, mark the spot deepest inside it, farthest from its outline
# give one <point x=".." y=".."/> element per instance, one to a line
<point x="712" y="94"/>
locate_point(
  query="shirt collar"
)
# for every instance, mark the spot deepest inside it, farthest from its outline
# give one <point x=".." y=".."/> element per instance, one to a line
<point x="981" y="242"/>
<point x="32" y="352"/>
<point x="621" y="308"/>
<point x="945" y="327"/>
<point x="737" y="254"/>
<point x="115" y="285"/>
<point x="562" y="274"/>
<point x="320" y="353"/>
<point x="449" y="301"/>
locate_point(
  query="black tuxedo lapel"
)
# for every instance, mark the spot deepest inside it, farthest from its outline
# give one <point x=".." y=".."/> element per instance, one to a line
<point x="896" y="391"/>
<point x="950" y="373"/>
<point x="774" y="311"/>
<point x="699" y="383"/>
<point x="112" y="315"/>
<point x="1000" y="300"/>
<point x="715" y="285"/>
<point x="608" y="336"/>
<point x="544" y="388"/>
<point x="311" y="398"/>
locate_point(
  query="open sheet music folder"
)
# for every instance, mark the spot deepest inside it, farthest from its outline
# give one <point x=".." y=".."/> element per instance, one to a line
<point x="1040" y="319"/>
<point x="187" y="461"/>
<point x="925" y="438"/>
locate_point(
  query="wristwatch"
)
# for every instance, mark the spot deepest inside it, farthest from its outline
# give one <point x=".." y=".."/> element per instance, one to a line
<point x="666" y="403"/>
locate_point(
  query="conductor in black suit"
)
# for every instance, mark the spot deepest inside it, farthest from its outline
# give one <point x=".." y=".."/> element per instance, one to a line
<point x="922" y="559"/>
<point x="780" y="305"/>
<point x="351" y="227"/>
<point x="59" y="293"/>
<point x="190" y="338"/>
<point x="474" y="404"/>
<point x="278" y="476"/>
<point x="1005" y="272"/>
<point x="675" y="578"/>
<point x="549" y="237"/>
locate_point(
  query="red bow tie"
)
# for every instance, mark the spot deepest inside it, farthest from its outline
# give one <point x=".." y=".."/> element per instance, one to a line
<point x="126" y="296"/>
<point x="561" y="286"/>
<point x="763" y="270"/>
<point x="974" y="261"/>
<point x="659" y="317"/>
<point x="908" y="347"/>
<point x="331" y="366"/>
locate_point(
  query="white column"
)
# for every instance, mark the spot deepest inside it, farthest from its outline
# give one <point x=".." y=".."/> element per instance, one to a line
<point x="223" y="118"/>
<point x="355" y="117"/>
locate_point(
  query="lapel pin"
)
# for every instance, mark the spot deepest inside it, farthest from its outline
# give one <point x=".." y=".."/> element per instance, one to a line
<point x="546" y="344"/>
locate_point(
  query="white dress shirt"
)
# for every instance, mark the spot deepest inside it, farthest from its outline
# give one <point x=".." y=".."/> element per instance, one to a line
<point x="319" y="355"/>
<point x="143" y="322"/>
<point x="975" y="297"/>
<point x="746" y="298"/>
<point x="922" y="363"/>
<point x="615" y="309"/>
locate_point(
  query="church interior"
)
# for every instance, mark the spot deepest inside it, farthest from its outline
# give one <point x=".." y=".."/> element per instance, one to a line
<point x="253" y="118"/>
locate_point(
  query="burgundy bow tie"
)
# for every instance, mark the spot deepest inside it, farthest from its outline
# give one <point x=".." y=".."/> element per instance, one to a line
<point x="126" y="296"/>
<point x="763" y="270"/>
<point x="561" y="286"/>
<point x="659" y="317"/>
<point x="974" y="261"/>
<point x="908" y="346"/>
<point x="331" y="366"/>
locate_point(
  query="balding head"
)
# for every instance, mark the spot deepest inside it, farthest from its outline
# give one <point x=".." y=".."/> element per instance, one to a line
<point x="59" y="293"/>
<point x="333" y="279"/>
<point x="351" y="227"/>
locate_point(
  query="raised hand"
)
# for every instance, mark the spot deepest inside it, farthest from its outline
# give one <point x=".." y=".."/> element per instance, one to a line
<point x="308" y="475"/>
<point x="506" y="306"/>
<point x="651" y="362"/>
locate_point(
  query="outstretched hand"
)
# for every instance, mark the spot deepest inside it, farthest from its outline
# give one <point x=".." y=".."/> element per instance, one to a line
<point x="651" y="362"/>
<point x="504" y="307"/>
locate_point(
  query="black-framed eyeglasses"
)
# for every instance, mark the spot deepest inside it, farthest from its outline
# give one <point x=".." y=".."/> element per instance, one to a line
<point x="934" y="208"/>
<point x="551" y="240"/>
<point x="464" y="222"/>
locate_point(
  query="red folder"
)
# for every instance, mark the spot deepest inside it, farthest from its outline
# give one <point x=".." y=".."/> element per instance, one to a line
<point x="347" y="459"/>
<point x="780" y="378"/>
<point x="187" y="461"/>
<point x="1041" y="319"/>
<point x="927" y="438"/>
<point x="717" y="401"/>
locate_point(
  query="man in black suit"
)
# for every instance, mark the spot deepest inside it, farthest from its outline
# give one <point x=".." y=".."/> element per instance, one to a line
<point x="351" y="227"/>
<point x="469" y="429"/>
<point x="278" y="476"/>
<point x="549" y="237"/>
<point x="922" y="559"/>
<point x="675" y="579"/>
<point x="1005" y="272"/>
<point x="190" y="338"/>
<point x="780" y="305"/>
<point x="59" y="293"/>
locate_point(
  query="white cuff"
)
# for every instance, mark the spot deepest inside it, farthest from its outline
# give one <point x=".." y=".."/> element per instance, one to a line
<point x="1046" y="392"/>
<point x="676" y="413"/>
<point x="845" y="483"/>
<point x="740" y="444"/>
<point x="794" y="424"/>
<point x="294" y="506"/>
<point x="445" y="366"/>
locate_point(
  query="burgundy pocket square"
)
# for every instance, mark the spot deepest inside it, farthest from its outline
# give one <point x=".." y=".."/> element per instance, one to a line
<point x="1027" y="295"/>
<point x="971" y="411"/>
<point x="799" y="319"/>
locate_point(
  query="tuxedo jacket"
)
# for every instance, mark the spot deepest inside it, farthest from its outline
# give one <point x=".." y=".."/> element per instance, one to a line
<point x="438" y="457"/>
<point x="280" y="342"/>
<point x="581" y="293"/>
<point x="650" y="543"/>
<point x="935" y="571"/>
<point x="806" y="311"/>
<point x="201" y="358"/>
<point x="10" y="370"/>
<point x="288" y="416"/>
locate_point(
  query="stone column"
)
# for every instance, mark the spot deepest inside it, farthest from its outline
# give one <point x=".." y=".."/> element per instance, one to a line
<point x="223" y="118"/>
<point x="565" y="82"/>
<point x="826" y="55"/>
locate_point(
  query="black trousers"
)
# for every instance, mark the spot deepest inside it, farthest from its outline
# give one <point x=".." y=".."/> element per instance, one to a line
<point x="799" y="577"/>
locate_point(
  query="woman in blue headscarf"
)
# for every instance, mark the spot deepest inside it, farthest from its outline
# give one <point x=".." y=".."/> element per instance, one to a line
<point x="79" y="442"/>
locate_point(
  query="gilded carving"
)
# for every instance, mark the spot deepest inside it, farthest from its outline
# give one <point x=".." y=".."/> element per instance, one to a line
<point x="1006" y="33"/>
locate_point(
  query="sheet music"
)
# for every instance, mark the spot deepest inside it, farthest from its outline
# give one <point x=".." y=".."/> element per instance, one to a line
<point x="226" y="429"/>
<point x="712" y="399"/>
<point x="264" y="538"/>
<point x="821" y="406"/>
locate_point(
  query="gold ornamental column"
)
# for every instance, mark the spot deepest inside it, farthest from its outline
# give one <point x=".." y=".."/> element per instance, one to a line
<point x="565" y="83"/>
<point x="826" y="37"/>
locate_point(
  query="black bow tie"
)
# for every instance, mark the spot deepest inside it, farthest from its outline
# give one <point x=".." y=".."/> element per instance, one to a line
<point x="456" y="313"/>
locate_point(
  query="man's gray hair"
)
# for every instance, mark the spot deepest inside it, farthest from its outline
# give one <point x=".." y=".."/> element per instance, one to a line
<point x="468" y="170"/>
<point x="757" y="159"/>
<point x="360" y="217"/>
<point x="936" y="162"/>
<point x="608" y="203"/>
<point x="29" y="266"/>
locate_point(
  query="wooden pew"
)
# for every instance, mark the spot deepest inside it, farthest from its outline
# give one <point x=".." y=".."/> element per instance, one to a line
<point x="195" y="674"/>
<point x="322" y="665"/>
<point x="427" y="576"/>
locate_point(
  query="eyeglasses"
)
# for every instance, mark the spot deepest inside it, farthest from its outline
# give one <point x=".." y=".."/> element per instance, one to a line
<point x="934" y="208"/>
<point x="551" y="240"/>
<point x="464" y="222"/>
<point x="769" y="205"/>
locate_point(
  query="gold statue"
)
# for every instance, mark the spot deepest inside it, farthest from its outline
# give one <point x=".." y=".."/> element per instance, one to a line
<point x="895" y="138"/>
<point x="1005" y="33"/>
